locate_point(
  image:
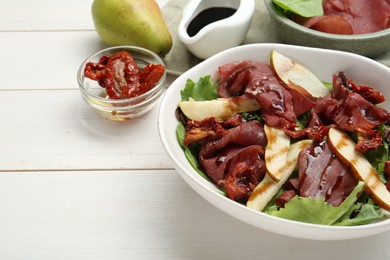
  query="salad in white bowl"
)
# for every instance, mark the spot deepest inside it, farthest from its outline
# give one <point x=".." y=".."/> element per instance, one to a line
<point x="290" y="139"/>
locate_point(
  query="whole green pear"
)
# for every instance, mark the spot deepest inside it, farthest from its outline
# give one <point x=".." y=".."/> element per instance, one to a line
<point x="132" y="22"/>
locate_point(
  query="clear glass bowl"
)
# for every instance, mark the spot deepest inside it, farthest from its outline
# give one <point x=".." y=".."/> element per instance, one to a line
<point x="120" y="109"/>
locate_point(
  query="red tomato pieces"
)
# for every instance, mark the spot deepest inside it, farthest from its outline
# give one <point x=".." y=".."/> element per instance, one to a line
<point x="120" y="76"/>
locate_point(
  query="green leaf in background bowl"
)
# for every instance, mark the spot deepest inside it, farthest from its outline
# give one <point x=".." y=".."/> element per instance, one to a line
<point x="305" y="8"/>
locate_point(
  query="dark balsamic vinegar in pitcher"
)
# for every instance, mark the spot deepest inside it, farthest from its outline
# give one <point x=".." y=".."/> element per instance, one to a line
<point x="207" y="17"/>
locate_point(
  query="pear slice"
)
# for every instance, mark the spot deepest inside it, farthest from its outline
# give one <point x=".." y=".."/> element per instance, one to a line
<point x="297" y="77"/>
<point x="345" y="149"/>
<point x="276" y="151"/>
<point x="267" y="188"/>
<point x="221" y="108"/>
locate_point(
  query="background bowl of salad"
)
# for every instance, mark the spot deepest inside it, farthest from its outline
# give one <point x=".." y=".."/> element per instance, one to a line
<point x="363" y="70"/>
<point x="368" y="44"/>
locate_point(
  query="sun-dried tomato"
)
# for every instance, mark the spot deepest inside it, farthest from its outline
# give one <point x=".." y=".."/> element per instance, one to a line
<point x="94" y="71"/>
<point x="120" y="76"/>
<point x="368" y="139"/>
<point x="150" y="76"/>
<point x="367" y="92"/>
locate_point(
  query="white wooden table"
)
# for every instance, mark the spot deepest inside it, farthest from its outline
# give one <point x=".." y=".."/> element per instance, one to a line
<point x="76" y="186"/>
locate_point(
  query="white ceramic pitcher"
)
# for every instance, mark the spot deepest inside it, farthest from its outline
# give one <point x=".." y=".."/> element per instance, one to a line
<point x="219" y="35"/>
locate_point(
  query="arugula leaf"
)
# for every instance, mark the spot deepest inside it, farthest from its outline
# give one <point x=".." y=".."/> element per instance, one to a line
<point x="305" y="8"/>
<point x="302" y="120"/>
<point x="379" y="156"/>
<point x="316" y="211"/>
<point x="361" y="214"/>
<point x="250" y="116"/>
<point x="191" y="151"/>
<point x="202" y="90"/>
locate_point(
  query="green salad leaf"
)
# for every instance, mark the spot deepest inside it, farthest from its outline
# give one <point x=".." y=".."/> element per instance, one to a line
<point x="379" y="156"/>
<point x="361" y="214"/>
<point x="316" y="211"/>
<point x="204" y="89"/>
<point x="305" y="8"/>
<point x="191" y="152"/>
<point x="302" y="120"/>
<point x="250" y="116"/>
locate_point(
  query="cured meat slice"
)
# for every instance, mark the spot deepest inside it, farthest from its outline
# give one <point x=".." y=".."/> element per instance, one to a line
<point x="245" y="171"/>
<point x="257" y="80"/>
<point x="248" y="133"/>
<point x="351" y="111"/>
<point x="216" y="154"/>
<point x="329" y="24"/>
<point x="354" y="112"/>
<point x="364" y="16"/>
<point x="234" y="78"/>
<point x="321" y="175"/>
<point x="235" y="160"/>
<point x="350" y="17"/>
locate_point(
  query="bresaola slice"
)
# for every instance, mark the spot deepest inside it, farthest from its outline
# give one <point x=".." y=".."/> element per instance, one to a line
<point x="350" y="17"/>
<point x="350" y="107"/>
<point x="245" y="170"/>
<point x="257" y="80"/>
<point x="329" y="24"/>
<point x="235" y="160"/>
<point x="364" y="16"/>
<point x="320" y="175"/>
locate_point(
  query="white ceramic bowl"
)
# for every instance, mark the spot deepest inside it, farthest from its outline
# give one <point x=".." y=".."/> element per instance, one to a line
<point x="320" y="61"/>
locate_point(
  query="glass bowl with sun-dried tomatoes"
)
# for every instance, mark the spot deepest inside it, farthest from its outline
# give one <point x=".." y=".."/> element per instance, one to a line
<point x="122" y="82"/>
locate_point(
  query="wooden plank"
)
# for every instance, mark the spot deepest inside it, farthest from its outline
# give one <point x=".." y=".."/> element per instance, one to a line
<point x="140" y="215"/>
<point x="27" y="15"/>
<point x="44" y="60"/>
<point x="43" y="15"/>
<point x="57" y="130"/>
